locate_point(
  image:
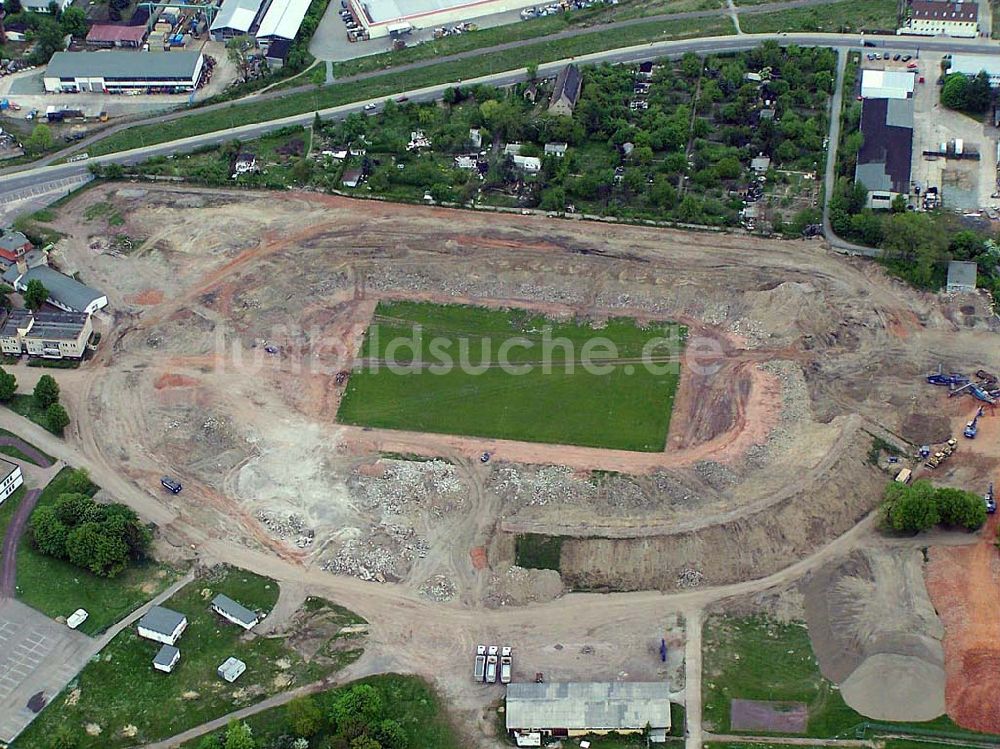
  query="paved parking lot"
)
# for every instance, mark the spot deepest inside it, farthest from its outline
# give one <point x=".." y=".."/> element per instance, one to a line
<point x="38" y="658"/>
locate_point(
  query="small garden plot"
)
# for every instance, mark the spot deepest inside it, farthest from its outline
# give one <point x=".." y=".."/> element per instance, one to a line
<point x="544" y="393"/>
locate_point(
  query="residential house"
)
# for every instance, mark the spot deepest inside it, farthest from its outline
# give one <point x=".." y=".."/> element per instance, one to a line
<point x="556" y="149"/>
<point x="512" y="149"/>
<point x="235" y="612"/>
<point x="567" y="709"/>
<point x="566" y="92"/>
<point x="961" y="276"/>
<point x="64" y="292"/>
<point x="10" y="478"/>
<point x="13" y="246"/>
<point x="466" y="162"/>
<point x="418" y="140"/>
<point x="646" y="70"/>
<point x="277" y="53"/>
<point x="934" y="17"/>
<point x="531" y="92"/>
<point x="166" y="659"/>
<point x="162" y="625"/>
<point x="475" y="137"/>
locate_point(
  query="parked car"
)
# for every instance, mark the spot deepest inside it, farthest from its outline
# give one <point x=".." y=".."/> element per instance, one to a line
<point x="170" y="484"/>
<point x="370" y="106"/>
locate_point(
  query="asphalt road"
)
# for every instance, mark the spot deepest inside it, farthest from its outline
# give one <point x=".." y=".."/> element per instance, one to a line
<point x="42" y="175"/>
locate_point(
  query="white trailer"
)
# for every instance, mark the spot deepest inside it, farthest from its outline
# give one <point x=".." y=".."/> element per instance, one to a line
<point x="491" y="669"/>
<point x="480" y="672"/>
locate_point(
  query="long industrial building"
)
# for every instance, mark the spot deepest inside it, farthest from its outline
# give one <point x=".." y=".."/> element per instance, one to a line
<point x="262" y="19"/>
<point x="170" y="72"/>
<point x="391" y="17"/>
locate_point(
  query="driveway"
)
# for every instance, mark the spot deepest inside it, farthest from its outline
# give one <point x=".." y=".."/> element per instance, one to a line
<point x="38" y="657"/>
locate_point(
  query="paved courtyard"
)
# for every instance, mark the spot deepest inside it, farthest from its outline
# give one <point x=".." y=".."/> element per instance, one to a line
<point x="38" y="658"/>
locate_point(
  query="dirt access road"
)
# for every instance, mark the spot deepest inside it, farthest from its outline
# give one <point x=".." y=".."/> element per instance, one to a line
<point x="766" y="453"/>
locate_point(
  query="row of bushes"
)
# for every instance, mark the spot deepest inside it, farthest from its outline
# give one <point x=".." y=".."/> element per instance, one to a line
<point x="920" y="506"/>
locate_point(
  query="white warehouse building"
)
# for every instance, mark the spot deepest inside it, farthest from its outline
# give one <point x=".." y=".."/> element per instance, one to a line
<point x="392" y="17"/>
<point x="264" y="20"/>
<point x="72" y="72"/>
<point x="974" y="64"/>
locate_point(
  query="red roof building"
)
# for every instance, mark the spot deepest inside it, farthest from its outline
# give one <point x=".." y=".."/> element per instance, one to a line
<point x="106" y="35"/>
<point x="13" y="246"/>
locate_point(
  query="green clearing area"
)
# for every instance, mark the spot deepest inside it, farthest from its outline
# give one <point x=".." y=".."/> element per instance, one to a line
<point x="16" y="453"/>
<point x="538" y="552"/>
<point x="408" y="700"/>
<point x="393" y="82"/>
<point x="758" y="658"/>
<point x="57" y="588"/>
<point x="8" y="507"/>
<point x="26" y="405"/>
<point x="120" y="688"/>
<point x="844" y="17"/>
<point x="624" y="405"/>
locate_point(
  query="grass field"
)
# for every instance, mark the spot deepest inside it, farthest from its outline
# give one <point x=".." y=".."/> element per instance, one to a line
<point x="408" y="700"/>
<point x="625" y="407"/>
<point x="25" y="405"/>
<point x="134" y="704"/>
<point x="538" y="552"/>
<point x="852" y="15"/>
<point x="57" y="588"/>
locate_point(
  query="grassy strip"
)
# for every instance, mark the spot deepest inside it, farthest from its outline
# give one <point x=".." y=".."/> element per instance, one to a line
<point x="538" y="552"/>
<point x="7" y="509"/>
<point x="57" y="588"/>
<point x="408" y="700"/>
<point x="23" y="457"/>
<point x="843" y="17"/>
<point x="26" y="406"/>
<point x="393" y="82"/>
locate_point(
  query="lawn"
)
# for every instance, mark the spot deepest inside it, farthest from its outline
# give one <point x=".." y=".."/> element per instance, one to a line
<point x="538" y="552"/>
<point x="57" y="588"/>
<point x="7" y="509"/>
<point x="851" y="15"/>
<point x="15" y="453"/>
<point x="26" y="406"/>
<point x="761" y="659"/>
<point x="614" y="403"/>
<point x="133" y="704"/>
<point x="409" y="700"/>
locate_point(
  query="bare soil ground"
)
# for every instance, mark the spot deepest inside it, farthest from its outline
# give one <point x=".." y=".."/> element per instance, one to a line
<point x="766" y="456"/>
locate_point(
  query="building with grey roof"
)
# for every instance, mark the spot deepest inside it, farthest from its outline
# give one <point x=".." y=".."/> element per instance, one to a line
<point x="236" y="17"/>
<point x="962" y="276"/>
<point x="51" y="335"/>
<point x="162" y="625"/>
<point x="391" y="17"/>
<point x="235" y="612"/>
<point x="10" y="478"/>
<point x="42" y="6"/>
<point x="64" y="292"/>
<point x="166" y="658"/>
<point x="113" y="71"/>
<point x="534" y="711"/>
<point x="566" y="91"/>
<point x="885" y="158"/>
<point x="972" y="65"/>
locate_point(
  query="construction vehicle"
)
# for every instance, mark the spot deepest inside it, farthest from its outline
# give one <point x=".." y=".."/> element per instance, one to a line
<point x="903" y="477"/>
<point x="505" y="665"/>
<point x="955" y="378"/>
<point x="990" y="499"/>
<point x="986" y="379"/>
<point x="480" y="672"/>
<point x="925" y="451"/>
<point x="973" y="426"/>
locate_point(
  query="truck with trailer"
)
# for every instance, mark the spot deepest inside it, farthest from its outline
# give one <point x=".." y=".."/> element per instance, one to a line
<point x="480" y="671"/>
<point x="505" y="665"/>
<point x="491" y="669"/>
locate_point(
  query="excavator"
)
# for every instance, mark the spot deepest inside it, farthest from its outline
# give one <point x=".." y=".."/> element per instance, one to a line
<point x="972" y="428"/>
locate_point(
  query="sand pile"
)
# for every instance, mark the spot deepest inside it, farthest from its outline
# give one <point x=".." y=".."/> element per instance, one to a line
<point x="876" y="633"/>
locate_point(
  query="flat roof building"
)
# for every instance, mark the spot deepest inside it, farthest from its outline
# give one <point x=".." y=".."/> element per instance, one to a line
<point x="107" y="35"/>
<point x="166" y="659"/>
<point x="119" y="71"/>
<point x="231" y="669"/>
<point x="50" y="335"/>
<point x="10" y="478"/>
<point x="235" y="18"/>
<point x="534" y="711"/>
<point x="961" y="276"/>
<point x="388" y="17"/>
<point x="282" y="19"/>
<point x="884" y="160"/>
<point x="887" y="84"/>
<point x="933" y="17"/>
<point x="975" y="64"/>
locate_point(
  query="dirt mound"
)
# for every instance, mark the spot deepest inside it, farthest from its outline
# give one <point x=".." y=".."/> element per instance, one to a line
<point x="145" y="297"/>
<point x="171" y="380"/>
<point x="964" y="583"/>
<point x="782" y="309"/>
<point x="875" y="632"/>
<point x="896" y="687"/>
<point x="926" y="429"/>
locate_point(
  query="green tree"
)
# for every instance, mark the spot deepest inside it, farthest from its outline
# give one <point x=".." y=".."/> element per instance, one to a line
<point x="361" y="704"/>
<point x="40" y="139"/>
<point x="72" y="509"/>
<point x="78" y="481"/>
<point x="46" y="391"/>
<point x="90" y="547"/>
<point x="304" y="716"/>
<point x="48" y="534"/>
<point x="12" y="6"/>
<point x="960" y="508"/>
<point x="954" y="92"/>
<point x="899" y="204"/>
<point x="239" y="50"/>
<point x="56" y="418"/>
<point x="239" y="736"/>
<point x="35" y="293"/>
<point x="390" y="734"/>
<point x="365" y="742"/>
<point x="8" y="385"/>
<point x="910" y="509"/>
<point x="74" y="22"/>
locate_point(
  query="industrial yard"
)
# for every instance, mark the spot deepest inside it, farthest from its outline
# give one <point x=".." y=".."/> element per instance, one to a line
<point x="237" y="315"/>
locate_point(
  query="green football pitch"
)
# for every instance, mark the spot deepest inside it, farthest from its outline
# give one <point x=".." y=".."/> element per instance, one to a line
<point x="544" y="393"/>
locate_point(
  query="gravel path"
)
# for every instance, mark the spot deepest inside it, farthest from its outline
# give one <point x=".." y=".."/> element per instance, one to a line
<point x="36" y="455"/>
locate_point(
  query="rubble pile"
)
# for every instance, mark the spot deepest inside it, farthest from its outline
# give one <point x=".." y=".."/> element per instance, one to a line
<point x="540" y="486"/>
<point x="689" y="578"/>
<point x="795" y="410"/>
<point x="384" y="555"/>
<point x="287" y="526"/>
<point x="438" y="588"/>
<point x="485" y="285"/>
<point x="409" y="482"/>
